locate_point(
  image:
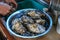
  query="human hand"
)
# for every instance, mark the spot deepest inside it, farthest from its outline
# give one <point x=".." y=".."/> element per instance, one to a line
<point x="5" y="8"/>
<point x="11" y="2"/>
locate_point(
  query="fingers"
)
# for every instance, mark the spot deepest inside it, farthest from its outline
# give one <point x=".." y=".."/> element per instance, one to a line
<point x="13" y="2"/>
<point x="4" y="8"/>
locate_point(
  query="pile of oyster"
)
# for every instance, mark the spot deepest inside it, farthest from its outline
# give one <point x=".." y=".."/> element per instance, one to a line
<point x="31" y="22"/>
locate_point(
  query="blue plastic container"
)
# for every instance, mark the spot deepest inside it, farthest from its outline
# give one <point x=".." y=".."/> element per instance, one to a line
<point x="18" y="14"/>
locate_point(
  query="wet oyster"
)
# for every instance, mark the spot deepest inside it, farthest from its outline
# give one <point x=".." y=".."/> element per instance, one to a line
<point x="40" y="14"/>
<point x="35" y="28"/>
<point x="40" y="21"/>
<point x="15" y="20"/>
<point x="27" y="19"/>
<point x="33" y="14"/>
<point x="18" y="27"/>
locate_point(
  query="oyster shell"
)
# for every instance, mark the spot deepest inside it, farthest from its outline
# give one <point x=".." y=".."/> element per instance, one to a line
<point x="33" y="14"/>
<point x="15" y="20"/>
<point x="40" y="21"/>
<point x="40" y="14"/>
<point x="18" y="27"/>
<point x="27" y="19"/>
<point x="35" y="28"/>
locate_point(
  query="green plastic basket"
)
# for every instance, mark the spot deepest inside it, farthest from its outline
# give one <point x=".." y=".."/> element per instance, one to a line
<point x="29" y="4"/>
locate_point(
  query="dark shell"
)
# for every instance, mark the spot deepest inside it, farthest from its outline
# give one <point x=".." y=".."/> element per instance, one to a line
<point x="40" y="21"/>
<point x="27" y="19"/>
<point x="35" y="28"/>
<point x="18" y="27"/>
<point x="33" y="14"/>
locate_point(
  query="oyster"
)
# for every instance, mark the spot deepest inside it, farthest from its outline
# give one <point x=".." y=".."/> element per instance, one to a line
<point x="27" y="19"/>
<point x="40" y="14"/>
<point x="40" y="21"/>
<point x="35" y="28"/>
<point x="33" y="14"/>
<point x="18" y="27"/>
<point x="15" y="20"/>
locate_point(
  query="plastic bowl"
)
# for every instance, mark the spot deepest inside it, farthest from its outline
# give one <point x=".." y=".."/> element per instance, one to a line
<point x="18" y="14"/>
